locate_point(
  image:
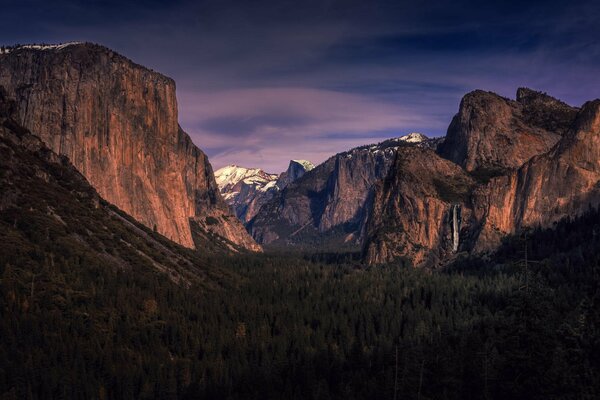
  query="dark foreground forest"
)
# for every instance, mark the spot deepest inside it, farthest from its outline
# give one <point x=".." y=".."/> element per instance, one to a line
<point x="275" y="327"/>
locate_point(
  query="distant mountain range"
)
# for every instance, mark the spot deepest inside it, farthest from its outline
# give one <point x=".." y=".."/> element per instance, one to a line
<point x="327" y="207"/>
<point x="504" y="166"/>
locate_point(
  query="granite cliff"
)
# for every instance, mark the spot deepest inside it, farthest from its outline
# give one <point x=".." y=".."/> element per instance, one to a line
<point x="562" y="182"/>
<point x="117" y="123"/>
<point x="414" y="209"/>
<point x="44" y="199"/>
<point x="491" y="134"/>
<point x="509" y="165"/>
<point x="295" y="170"/>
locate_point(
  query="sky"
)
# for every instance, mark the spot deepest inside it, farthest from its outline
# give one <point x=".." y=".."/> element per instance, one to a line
<point x="260" y="82"/>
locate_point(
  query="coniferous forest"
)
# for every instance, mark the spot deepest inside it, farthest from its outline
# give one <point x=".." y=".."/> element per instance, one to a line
<point x="521" y="324"/>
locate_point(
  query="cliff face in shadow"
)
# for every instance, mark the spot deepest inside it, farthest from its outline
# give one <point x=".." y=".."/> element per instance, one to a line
<point x="327" y="207"/>
<point x="418" y="209"/>
<point x="117" y="123"/>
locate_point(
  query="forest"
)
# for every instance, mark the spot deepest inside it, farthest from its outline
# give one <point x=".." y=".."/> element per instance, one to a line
<point x="290" y="327"/>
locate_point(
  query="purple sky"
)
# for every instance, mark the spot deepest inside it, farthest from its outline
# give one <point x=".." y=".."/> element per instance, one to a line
<point x="262" y="82"/>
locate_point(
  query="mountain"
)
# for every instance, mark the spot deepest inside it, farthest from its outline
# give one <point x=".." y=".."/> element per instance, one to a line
<point x="413" y="209"/>
<point x="563" y="182"/>
<point x="327" y="206"/>
<point x="112" y="310"/>
<point x="117" y="123"/>
<point x="49" y="214"/>
<point x="96" y="305"/>
<point x="296" y="169"/>
<point x="428" y="211"/>
<point x="491" y="133"/>
<point x="503" y="166"/>
<point x="247" y="189"/>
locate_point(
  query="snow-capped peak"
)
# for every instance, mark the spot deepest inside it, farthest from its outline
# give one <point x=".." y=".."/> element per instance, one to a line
<point x="413" y="137"/>
<point x="231" y="175"/>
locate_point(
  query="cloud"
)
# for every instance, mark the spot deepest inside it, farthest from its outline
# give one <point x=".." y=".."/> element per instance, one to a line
<point x="264" y="81"/>
<point x="270" y="126"/>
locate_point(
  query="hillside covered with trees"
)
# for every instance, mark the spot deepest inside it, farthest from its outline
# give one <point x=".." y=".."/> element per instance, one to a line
<point x="274" y="327"/>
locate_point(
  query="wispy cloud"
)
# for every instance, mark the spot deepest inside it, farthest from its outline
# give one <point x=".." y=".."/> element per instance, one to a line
<point x="272" y="125"/>
<point x="264" y="81"/>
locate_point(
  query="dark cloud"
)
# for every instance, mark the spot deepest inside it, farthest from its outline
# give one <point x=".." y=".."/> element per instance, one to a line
<point x="263" y="81"/>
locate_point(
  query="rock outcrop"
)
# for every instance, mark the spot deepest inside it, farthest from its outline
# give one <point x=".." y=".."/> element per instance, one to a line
<point x="429" y="208"/>
<point x="117" y="123"/>
<point x="326" y="208"/>
<point x="563" y="182"/>
<point x="295" y="170"/>
<point x="418" y="209"/>
<point x="491" y="134"/>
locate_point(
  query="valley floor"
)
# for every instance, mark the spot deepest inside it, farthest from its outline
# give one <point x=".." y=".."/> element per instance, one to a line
<point x="274" y="327"/>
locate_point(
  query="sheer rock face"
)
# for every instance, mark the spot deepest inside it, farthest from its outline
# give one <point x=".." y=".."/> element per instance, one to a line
<point x="563" y="182"/>
<point x="327" y="206"/>
<point x="412" y="214"/>
<point x="295" y="170"/>
<point x="41" y="191"/>
<point x="117" y="123"/>
<point x="491" y="134"/>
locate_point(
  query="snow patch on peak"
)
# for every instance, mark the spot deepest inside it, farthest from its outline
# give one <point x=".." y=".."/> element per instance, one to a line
<point x="413" y="137"/>
<point x="231" y="175"/>
<point x="307" y="165"/>
<point x="246" y="189"/>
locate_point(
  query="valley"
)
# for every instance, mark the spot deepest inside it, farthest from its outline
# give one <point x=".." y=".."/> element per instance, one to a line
<point x="463" y="266"/>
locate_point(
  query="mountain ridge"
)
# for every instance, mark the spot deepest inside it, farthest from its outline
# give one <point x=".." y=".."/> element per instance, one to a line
<point x="117" y="123"/>
<point x="327" y="206"/>
<point x="247" y="189"/>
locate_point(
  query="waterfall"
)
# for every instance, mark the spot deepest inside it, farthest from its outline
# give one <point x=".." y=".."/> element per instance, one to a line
<point x="455" y="227"/>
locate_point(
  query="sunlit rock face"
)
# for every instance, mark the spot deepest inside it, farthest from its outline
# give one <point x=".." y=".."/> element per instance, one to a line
<point x="492" y="134"/>
<point x="117" y="123"/>
<point x="558" y="175"/>
<point x="562" y="182"/>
